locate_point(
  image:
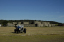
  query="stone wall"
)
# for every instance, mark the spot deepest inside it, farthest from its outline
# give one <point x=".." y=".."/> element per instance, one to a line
<point x="45" y="24"/>
<point x="14" y="23"/>
<point x="0" y="25"/>
<point x="40" y="25"/>
<point x="29" y="25"/>
<point x="10" y="25"/>
<point x="52" y="25"/>
<point x="19" y="22"/>
<point x="26" y="22"/>
<point x="36" y="24"/>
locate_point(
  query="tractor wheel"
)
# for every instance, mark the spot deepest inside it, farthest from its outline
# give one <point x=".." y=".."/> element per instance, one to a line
<point x="24" y="30"/>
<point x="14" y="30"/>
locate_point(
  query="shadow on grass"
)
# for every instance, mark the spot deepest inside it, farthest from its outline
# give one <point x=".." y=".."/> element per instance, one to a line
<point x="16" y="32"/>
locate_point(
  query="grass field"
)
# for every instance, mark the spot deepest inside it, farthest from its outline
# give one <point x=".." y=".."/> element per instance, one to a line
<point x="34" y="34"/>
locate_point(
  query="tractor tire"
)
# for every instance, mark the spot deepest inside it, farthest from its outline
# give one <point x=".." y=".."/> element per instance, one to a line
<point x="14" y="30"/>
<point x="24" y="30"/>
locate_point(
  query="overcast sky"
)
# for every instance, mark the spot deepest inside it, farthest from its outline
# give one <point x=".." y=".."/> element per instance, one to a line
<point x="49" y="10"/>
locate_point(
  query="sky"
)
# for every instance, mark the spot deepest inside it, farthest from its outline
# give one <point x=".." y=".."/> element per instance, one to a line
<point x="46" y="10"/>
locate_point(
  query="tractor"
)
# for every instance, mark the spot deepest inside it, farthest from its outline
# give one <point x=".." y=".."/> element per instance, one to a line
<point x="19" y="28"/>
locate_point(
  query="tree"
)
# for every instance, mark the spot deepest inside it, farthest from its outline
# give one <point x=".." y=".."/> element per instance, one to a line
<point x="4" y="23"/>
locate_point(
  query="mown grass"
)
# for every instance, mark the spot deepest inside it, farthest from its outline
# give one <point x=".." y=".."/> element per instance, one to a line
<point x="34" y="38"/>
<point x="34" y="34"/>
<point x="33" y="30"/>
